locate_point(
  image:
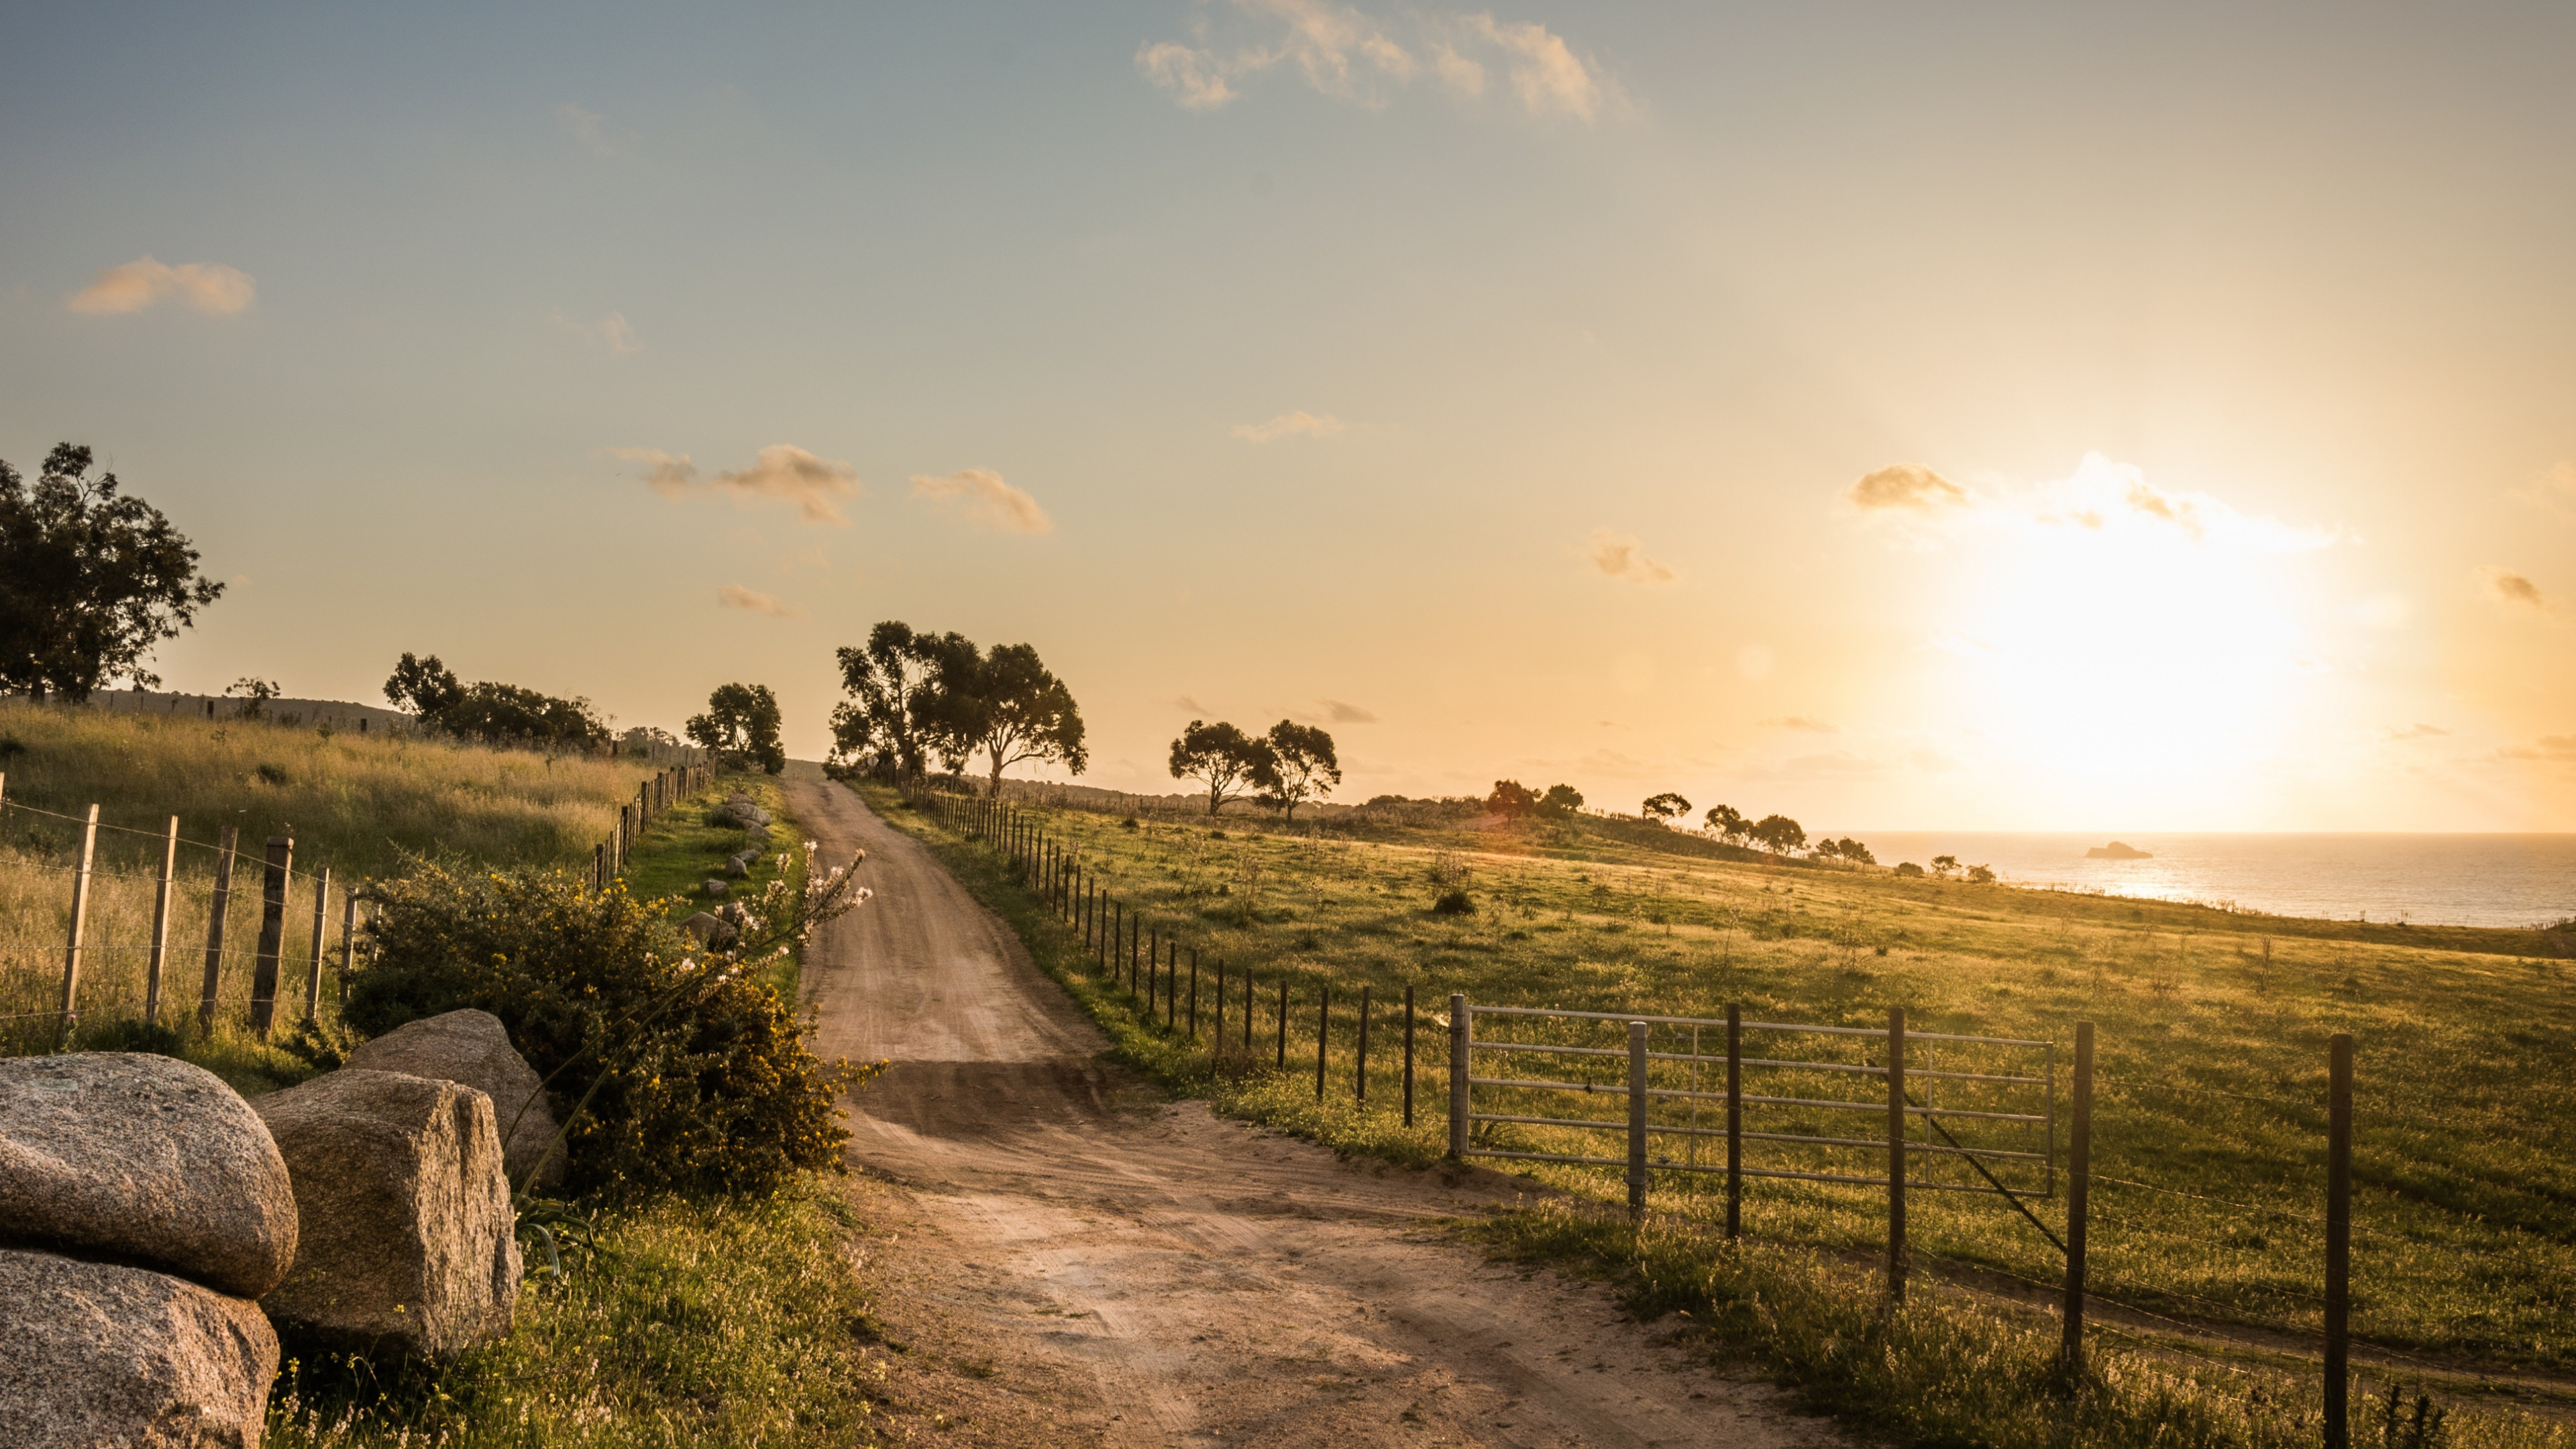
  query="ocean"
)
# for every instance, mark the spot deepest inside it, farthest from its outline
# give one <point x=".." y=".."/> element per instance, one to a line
<point x="2451" y="880"/>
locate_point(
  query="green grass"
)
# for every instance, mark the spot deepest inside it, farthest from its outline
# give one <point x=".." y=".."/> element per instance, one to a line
<point x="675" y="1323"/>
<point x="2212" y="1030"/>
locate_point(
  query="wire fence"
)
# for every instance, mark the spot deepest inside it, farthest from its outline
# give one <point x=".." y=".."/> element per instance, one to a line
<point x="1672" y="1105"/>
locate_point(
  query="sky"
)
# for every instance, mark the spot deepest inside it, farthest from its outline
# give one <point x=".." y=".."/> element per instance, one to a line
<point x="1896" y="416"/>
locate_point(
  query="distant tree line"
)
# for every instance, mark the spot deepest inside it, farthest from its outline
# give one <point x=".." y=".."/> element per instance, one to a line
<point x="912" y="694"/>
<point x="490" y="712"/>
<point x="1291" y="765"/>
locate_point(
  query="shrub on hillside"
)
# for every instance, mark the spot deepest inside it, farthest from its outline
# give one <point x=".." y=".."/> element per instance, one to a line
<point x="679" y="1070"/>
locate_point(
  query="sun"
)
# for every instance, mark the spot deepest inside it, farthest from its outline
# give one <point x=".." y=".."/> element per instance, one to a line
<point x="2126" y="650"/>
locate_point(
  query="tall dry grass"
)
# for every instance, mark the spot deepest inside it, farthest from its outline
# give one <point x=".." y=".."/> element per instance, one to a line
<point x="353" y="804"/>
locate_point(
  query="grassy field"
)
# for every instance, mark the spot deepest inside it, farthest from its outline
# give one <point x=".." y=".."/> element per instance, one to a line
<point x="353" y="804"/>
<point x="2212" y="1031"/>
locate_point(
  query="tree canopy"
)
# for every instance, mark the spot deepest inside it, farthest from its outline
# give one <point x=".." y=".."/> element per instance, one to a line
<point x="878" y="725"/>
<point x="1004" y="704"/>
<point x="423" y="687"/>
<point x="1666" y="806"/>
<point x="741" y="727"/>
<point x="1221" y="757"/>
<point x="1512" y="800"/>
<point x="90" y="580"/>
<point x="1301" y="767"/>
<point x="1728" y="822"/>
<point x="1560" y="800"/>
<point x="1778" y="834"/>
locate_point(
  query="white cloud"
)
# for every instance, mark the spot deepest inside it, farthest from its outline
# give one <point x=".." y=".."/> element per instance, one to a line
<point x="1353" y="56"/>
<point x="1905" y="485"/>
<point x="1289" y="425"/>
<point x="986" y="500"/>
<point x="588" y="127"/>
<point x="780" y="472"/>
<point x="200" y="286"/>
<point x="735" y="596"/>
<point x="1620" y="557"/>
<point x="2099" y="496"/>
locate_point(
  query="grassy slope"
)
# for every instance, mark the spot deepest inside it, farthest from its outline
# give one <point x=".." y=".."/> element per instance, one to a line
<point x="2212" y="1033"/>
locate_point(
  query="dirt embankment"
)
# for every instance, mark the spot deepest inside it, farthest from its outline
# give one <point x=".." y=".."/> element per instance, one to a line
<point x="1068" y="1259"/>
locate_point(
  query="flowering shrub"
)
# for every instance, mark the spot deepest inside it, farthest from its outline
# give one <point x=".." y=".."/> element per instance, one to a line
<point x="672" y="1067"/>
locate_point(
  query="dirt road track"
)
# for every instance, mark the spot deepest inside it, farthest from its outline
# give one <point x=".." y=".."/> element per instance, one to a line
<point x="1076" y="1261"/>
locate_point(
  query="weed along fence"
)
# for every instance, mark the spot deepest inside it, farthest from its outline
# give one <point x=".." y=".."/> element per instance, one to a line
<point x="654" y="796"/>
<point x="1697" y="1117"/>
<point x="84" y="945"/>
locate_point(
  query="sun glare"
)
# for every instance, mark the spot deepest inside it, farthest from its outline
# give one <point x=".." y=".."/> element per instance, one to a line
<point x="2131" y="648"/>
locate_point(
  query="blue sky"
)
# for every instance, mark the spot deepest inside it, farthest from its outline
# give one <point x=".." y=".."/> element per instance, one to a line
<point x="1503" y="377"/>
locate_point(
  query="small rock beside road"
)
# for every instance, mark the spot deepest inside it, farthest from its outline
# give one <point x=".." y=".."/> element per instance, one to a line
<point x="473" y="1047"/>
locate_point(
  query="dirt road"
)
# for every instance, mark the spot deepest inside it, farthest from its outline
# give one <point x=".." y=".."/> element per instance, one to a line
<point x="1076" y="1261"/>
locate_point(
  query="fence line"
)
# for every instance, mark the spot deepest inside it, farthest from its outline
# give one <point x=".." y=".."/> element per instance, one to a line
<point x="1127" y="951"/>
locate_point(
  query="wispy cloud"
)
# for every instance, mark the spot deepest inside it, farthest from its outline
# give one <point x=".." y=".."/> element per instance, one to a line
<point x="2548" y="749"/>
<point x="588" y="127"/>
<point x="1289" y="425"/>
<point x="735" y="596"/>
<point x="2507" y="587"/>
<point x="780" y="472"/>
<point x="2554" y="489"/>
<point x="2099" y="496"/>
<point x="985" y="500"/>
<point x="2417" y="731"/>
<point x="1806" y="723"/>
<point x="1340" y="713"/>
<point x="199" y="286"/>
<point x="1621" y="557"/>
<point x="612" y="331"/>
<point x="1191" y="706"/>
<point x="1368" y="60"/>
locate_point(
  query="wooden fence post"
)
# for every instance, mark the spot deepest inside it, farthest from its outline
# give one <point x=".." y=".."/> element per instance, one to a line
<point x="1247" y="1016"/>
<point x="1360" y="1074"/>
<point x="348" y="939"/>
<point x="321" y="933"/>
<point x="215" y="914"/>
<point x="1283" y="1023"/>
<point x="1896" y="1153"/>
<point x="1734" y="1120"/>
<point x="79" y="925"/>
<point x="1637" y="1121"/>
<point x="161" y="925"/>
<point x="1408" y="1054"/>
<point x="1460" y="1018"/>
<point x="1216" y="1037"/>
<point x="272" y="933"/>
<point x="1323" y="1034"/>
<point x="2338" y="1240"/>
<point x="1194" y="996"/>
<point x="2079" y="1192"/>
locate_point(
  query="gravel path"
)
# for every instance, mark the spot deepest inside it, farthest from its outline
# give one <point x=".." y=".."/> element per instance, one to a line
<point x="1075" y="1260"/>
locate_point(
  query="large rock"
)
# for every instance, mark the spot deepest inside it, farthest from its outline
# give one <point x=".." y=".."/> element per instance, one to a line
<point x="407" y="1233"/>
<point x="102" y="1355"/>
<point x="144" y="1159"/>
<point x="472" y="1047"/>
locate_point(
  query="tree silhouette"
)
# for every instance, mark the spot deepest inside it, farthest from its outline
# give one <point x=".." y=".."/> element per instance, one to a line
<point x="1560" y="801"/>
<point x="1728" y="822"/>
<point x="1666" y="806"/>
<point x="1778" y="834"/>
<point x="1221" y="757"/>
<point x="1511" y="800"/>
<point x="90" y="580"/>
<point x="884" y="680"/>
<point x="1004" y="704"/>
<point x="423" y="687"/>
<point x="741" y="727"/>
<point x="1300" y="767"/>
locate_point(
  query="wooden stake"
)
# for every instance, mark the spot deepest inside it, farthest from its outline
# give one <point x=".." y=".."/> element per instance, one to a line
<point x="2079" y="1193"/>
<point x="321" y="933"/>
<point x="1896" y="1153"/>
<point x="80" y="924"/>
<point x="161" y="925"/>
<point x="215" y="914"/>
<point x="2338" y="1241"/>
<point x="1637" y="1121"/>
<point x="1460" y="1020"/>
<point x="1408" y="1054"/>
<point x="1734" y="1120"/>
<point x="272" y="933"/>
